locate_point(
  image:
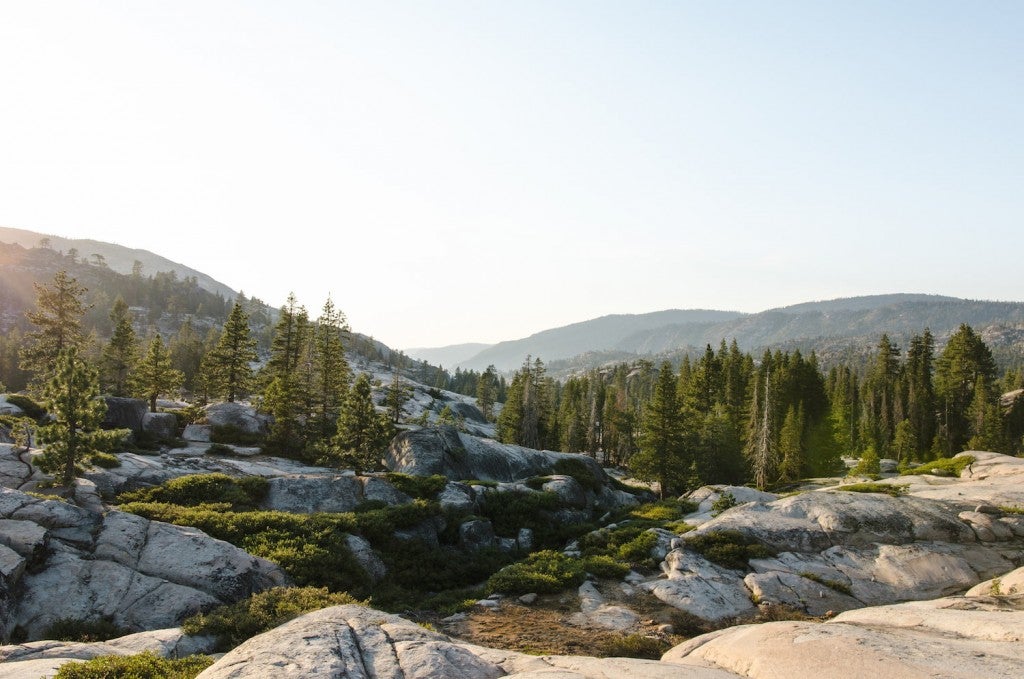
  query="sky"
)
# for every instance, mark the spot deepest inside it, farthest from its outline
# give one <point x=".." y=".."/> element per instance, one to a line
<point x="477" y="171"/>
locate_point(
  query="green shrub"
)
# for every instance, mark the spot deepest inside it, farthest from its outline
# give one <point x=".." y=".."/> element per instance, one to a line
<point x="379" y="525"/>
<point x="74" y="629"/>
<point x="579" y="470"/>
<point x="199" y="489"/>
<point x="628" y="543"/>
<point x="895" y="490"/>
<point x="478" y="482"/>
<point x="543" y="572"/>
<point x="729" y="548"/>
<point x="604" y="567"/>
<point x="944" y="466"/>
<point x="422" y="487"/>
<point x="1007" y="509"/>
<point x="685" y="623"/>
<point x="537" y="482"/>
<point x="27" y="405"/>
<point x="105" y="460"/>
<point x="229" y="433"/>
<point x="220" y="449"/>
<point x="638" y="550"/>
<point x="511" y="510"/>
<point x="142" y="666"/>
<point x="633" y="646"/>
<point x="725" y="501"/>
<point x="234" y="623"/>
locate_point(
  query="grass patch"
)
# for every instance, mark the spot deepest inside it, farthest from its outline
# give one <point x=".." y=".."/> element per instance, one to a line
<point x="234" y="623"/>
<point x="729" y="548"/>
<point x="945" y="466"/>
<point x="422" y="487"/>
<point x="895" y="490"/>
<point x="633" y="646"/>
<point x="142" y="666"/>
<point x="1007" y="509"/>
<point x="199" y="489"/>
<point x="840" y="587"/>
<point x="74" y="629"/>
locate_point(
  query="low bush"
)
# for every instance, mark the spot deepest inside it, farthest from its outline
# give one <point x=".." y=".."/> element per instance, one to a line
<point x="725" y="501"/>
<point x="422" y="487"/>
<point x="27" y="405"/>
<point x="945" y="466"/>
<point x="895" y="490"/>
<point x="544" y="572"/>
<point x="604" y="567"/>
<point x="729" y="548"/>
<point x="633" y="646"/>
<point x="630" y="544"/>
<point x="233" y="623"/>
<point x="105" y="460"/>
<point x="74" y="629"/>
<point x="229" y="433"/>
<point x="685" y="623"/>
<point x="579" y="470"/>
<point x="199" y="489"/>
<point x="142" y="666"/>
<point x="838" y="586"/>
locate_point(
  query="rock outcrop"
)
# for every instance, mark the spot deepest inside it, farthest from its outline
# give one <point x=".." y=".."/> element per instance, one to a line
<point x="124" y="413"/>
<point x="62" y="561"/>
<point x="237" y="415"/>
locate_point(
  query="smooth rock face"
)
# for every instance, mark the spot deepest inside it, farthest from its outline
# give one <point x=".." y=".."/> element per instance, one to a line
<point x="319" y="493"/>
<point x="955" y="637"/>
<point x="1007" y="584"/>
<point x="140" y="574"/>
<point x="704" y="589"/>
<point x="706" y="496"/>
<point x="364" y="555"/>
<point x="201" y="433"/>
<point x="360" y="643"/>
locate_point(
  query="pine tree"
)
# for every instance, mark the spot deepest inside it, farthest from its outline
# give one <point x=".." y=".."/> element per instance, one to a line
<point x="964" y="361"/>
<point x="486" y="392"/>
<point x="58" y="317"/>
<point x="396" y="396"/>
<point x="72" y="397"/>
<point x="332" y="370"/>
<point x="286" y="393"/>
<point x="121" y="352"/>
<point x="662" y="456"/>
<point x="986" y="420"/>
<point x="761" y="448"/>
<point x="904" y="444"/>
<point x="362" y="431"/>
<point x="187" y="350"/>
<point x="227" y="368"/>
<point x="791" y="445"/>
<point x="154" y="376"/>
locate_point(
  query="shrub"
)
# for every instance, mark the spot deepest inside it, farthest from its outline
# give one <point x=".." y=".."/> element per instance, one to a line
<point x="729" y="548"/>
<point x="629" y="543"/>
<point x="944" y="466"/>
<point x="105" y="460"/>
<point x="838" y="586"/>
<point x="537" y="482"/>
<point x="687" y="624"/>
<point x="219" y="449"/>
<point x="725" y="501"/>
<point x="422" y="487"/>
<point x="199" y="489"/>
<point x="604" y="567"/>
<point x="579" y="470"/>
<point x="142" y="666"/>
<point x="633" y="646"/>
<point x="74" y="629"/>
<point x="895" y="490"/>
<point x="27" y="405"/>
<point x="234" y="623"/>
<point x="543" y="572"/>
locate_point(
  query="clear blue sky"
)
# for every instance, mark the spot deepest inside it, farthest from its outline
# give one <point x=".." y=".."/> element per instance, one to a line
<point x="478" y="171"/>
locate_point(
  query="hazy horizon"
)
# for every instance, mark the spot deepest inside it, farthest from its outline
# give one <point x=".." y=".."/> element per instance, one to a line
<point x="459" y="172"/>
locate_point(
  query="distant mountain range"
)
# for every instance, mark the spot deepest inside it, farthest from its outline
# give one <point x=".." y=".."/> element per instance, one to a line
<point x="831" y="326"/>
<point x="119" y="258"/>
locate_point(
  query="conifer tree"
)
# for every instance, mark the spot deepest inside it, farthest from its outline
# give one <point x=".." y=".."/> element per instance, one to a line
<point x="986" y="420"/>
<point x="761" y="448"/>
<point x="121" y="352"/>
<point x="662" y="456"/>
<point x="154" y="376"/>
<point x="395" y="397"/>
<point x="332" y="370"/>
<point x="486" y="392"/>
<point x="286" y="393"/>
<point x="362" y="431"/>
<point x="227" y="368"/>
<point x="72" y="397"/>
<point x="965" y="360"/>
<point x="904" y="444"/>
<point x="791" y="445"/>
<point x="187" y="351"/>
<point x="58" y="319"/>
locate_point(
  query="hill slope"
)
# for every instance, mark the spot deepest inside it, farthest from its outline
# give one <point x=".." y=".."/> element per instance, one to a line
<point x="119" y="258"/>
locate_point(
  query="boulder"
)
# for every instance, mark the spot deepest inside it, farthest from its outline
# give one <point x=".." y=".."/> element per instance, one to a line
<point x="457" y="497"/>
<point x="813" y="597"/>
<point x="125" y="413"/>
<point x="467" y="411"/>
<point x="201" y="433"/>
<point x="595" y="612"/>
<point x="1005" y="585"/>
<point x="570" y="493"/>
<point x="354" y="641"/>
<point x="8" y="408"/>
<point x="364" y="555"/>
<point x="443" y="450"/>
<point x="476" y="534"/>
<point x="307" y="493"/>
<point x="160" y="425"/>
<point x="242" y="417"/>
<point x="701" y="587"/>
<point x="137" y="573"/>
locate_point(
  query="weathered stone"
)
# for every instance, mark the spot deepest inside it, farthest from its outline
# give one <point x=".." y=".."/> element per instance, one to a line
<point x="1004" y="585"/>
<point x="569" y="491"/>
<point x="362" y="552"/>
<point x="236" y="415"/>
<point x="795" y="591"/>
<point x="124" y="413"/>
<point x="476" y="534"/>
<point x="201" y="433"/>
<point x="457" y="497"/>
<point x="986" y="527"/>
<point x="700" y="587"/>
<point x="160" y="425"/>
<point x="25" y="537"/>
<point x="524" y="539"/>
<point x="595" y="612"/>
<point x="314" y="493"/>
